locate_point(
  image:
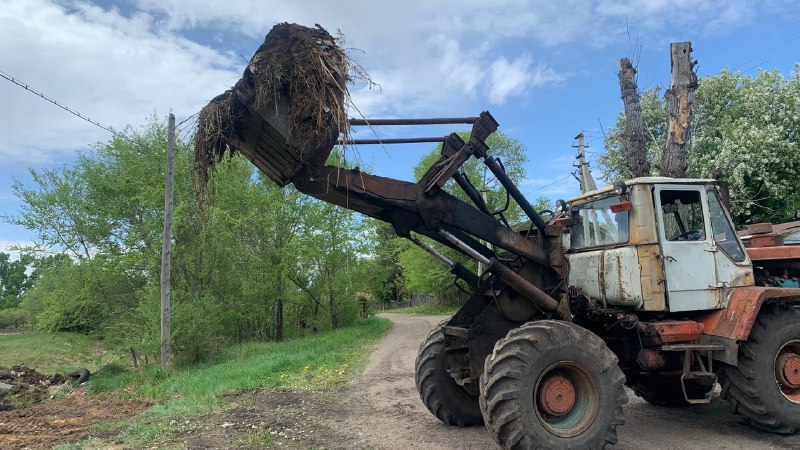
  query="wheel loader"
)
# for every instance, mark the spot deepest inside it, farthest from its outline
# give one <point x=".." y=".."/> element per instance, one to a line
<point x="644" y="283"/>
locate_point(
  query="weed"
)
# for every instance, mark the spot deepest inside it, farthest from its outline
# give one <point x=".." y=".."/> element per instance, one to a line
<point x="433" y="310"/>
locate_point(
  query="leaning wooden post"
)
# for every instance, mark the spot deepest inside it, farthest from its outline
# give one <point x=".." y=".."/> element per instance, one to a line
<point x="166" y="247"/>
<point x="633" y="138"/>
<point x="679" y="99"/>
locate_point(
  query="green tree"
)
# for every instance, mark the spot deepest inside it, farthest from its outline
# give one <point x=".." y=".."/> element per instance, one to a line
<point x="746" y="133"/>
<point x="14" y="279"/>
<point x="425" y="275"/>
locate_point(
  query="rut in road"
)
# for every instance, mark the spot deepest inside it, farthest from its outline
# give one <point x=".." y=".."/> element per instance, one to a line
<point x="380" y="409"/>
<point x="383" y="410"/>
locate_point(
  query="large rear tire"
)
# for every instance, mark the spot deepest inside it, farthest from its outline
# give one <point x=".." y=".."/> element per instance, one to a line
<point x="440" y="393"/>
<point x="765" y="386"/>
<point x="554" y="385"/>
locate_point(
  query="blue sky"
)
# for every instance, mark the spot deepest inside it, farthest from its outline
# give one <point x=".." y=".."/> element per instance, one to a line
<point x="546" y="70"/>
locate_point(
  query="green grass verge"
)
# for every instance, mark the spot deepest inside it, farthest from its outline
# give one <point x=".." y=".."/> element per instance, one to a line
<point x="434" y="310"/>
<point x="50" y="353"/>
<point x="313" y="362"/>
<point x="309" y="363"/>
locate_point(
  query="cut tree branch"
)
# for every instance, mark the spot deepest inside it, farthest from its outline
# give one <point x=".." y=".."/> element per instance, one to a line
<point x="633" y="137"/>
<point x="679" y="98"/>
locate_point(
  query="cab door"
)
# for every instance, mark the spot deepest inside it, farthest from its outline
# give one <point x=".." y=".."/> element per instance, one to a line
<point x="687" y="247"/>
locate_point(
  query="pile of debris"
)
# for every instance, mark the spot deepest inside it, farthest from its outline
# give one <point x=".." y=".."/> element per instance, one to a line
<point x="286" y="112"/>
<point x="22" y="386"/>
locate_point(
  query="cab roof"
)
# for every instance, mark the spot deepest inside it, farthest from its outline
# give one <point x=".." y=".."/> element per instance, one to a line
<point x="643" y="180"/>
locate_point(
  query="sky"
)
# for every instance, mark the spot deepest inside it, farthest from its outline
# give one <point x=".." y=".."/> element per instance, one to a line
<point x="545" y="70"/>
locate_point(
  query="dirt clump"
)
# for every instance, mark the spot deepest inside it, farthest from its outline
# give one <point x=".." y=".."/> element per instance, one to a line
<point x="21" y="386"/>
<point x="285" y="113"/>
<point x="64" y="421"/>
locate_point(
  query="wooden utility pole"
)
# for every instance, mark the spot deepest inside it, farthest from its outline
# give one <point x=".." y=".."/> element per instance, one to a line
<point x="585" y="176"/>
<point x="587" y="184"/>
<point x="633" y="138"/>
<point x="166" y="247"/>
<point x="679" y="99"/>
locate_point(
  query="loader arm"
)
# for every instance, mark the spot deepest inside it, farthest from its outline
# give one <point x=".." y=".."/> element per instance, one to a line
<point x="427" y="209"/>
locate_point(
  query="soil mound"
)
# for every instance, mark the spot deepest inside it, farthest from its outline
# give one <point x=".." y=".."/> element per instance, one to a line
<point x="285" y="113"/>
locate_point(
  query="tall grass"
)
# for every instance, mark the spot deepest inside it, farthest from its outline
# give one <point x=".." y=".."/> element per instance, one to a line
<point x="313" y="362"/>
<point x="50" y="353"/>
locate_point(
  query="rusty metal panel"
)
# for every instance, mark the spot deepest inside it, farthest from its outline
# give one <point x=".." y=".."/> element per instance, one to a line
<point x="677" y="330"/>
<point x="621" y="273"/>
<point x="735" y="321"/>
<point x="774" y="253"/>
<point x="612" y="275"/>
<point x="767" y="240"/>
<point x="653" y="282"/>
<point x="584" y="272"/>
<point x="642" y="217"/>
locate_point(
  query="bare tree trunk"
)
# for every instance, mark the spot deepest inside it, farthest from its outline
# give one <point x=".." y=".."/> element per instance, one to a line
<point x="679" y="99"/>
<point x="633" y="138"/>
<point x="279" y="321"/>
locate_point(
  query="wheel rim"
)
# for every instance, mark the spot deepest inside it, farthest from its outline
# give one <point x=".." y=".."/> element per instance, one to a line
<point x="566" y="399"/>
<point x="787" y="370"/>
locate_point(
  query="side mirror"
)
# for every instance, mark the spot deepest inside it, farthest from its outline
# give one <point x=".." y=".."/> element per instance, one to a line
<point x="620" y="188"/>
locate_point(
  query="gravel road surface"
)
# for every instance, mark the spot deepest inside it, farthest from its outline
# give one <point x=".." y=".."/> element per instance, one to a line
<point x="390" y="414"/>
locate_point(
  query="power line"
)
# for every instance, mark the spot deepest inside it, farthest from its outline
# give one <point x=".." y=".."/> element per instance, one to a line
<point x="66" y="108"/>
<point x="549" y="184"/>
<point x="771" y="59"/>
<point x="768" y="52"/>
<point x="61" y="105"/>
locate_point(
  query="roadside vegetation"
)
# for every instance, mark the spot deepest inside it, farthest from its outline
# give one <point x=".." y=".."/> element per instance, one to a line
<point x="428" y="309"/>
<point x="311" y="363"/>
<point x="51" y="353"/>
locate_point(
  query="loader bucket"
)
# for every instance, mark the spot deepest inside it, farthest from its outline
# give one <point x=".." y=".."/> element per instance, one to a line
<point x="286" y="112"/>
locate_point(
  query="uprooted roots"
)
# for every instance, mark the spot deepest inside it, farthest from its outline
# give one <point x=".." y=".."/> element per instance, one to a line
<point x="303" y="67"/>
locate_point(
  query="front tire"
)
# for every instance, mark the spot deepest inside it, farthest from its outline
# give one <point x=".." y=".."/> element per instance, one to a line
<point x="554" y="385"/>
<point x="440" y="393"/>
<point x="765" y="386"/>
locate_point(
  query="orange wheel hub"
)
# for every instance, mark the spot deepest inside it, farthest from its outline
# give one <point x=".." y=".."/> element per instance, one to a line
<point x="557" y="395"/>
<point x="788" y="369"/>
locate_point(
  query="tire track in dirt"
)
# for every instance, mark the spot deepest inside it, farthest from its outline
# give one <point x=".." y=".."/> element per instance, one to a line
<point x="380" y="409"/>
<point x="384" y="410"/>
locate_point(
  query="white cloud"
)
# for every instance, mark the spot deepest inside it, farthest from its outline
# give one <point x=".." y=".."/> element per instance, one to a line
<point x="430" y="58"/>
<point x="517" y="77"/>
<point x="9" y="246"/>
<point x="114" y="69"/>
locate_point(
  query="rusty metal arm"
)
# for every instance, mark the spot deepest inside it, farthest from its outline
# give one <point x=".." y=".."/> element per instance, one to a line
<point x="513" y="279"/>
<point x="392" y="140"/>
<point x="406" y="206"/>
<point x="431" y="121"/>
<point x="456" y="268"/>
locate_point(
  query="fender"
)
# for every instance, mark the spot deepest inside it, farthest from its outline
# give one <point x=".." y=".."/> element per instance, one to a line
<point x="737" y="319"/>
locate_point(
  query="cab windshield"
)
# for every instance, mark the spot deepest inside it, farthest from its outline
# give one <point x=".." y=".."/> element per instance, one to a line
<point x="594" y="224"/>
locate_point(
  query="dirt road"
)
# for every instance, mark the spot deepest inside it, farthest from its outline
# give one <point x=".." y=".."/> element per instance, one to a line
<point x="390" y="414"/>
<point x="380" y="409"/>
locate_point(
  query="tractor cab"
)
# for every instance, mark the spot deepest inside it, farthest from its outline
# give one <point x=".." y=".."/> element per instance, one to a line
<point x="654" y="244"/>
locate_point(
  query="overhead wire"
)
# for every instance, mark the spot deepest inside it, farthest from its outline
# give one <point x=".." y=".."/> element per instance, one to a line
<point x="38" y="93"/>
<point x="768" y="52"/>
<point x="66" y="108"/>
<point x="771" y="59"/>
<point x="549" y="184"/>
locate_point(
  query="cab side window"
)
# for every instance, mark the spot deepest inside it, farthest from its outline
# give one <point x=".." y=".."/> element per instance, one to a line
<point x="683" y="216"/>
<point x="724" y="235"/>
